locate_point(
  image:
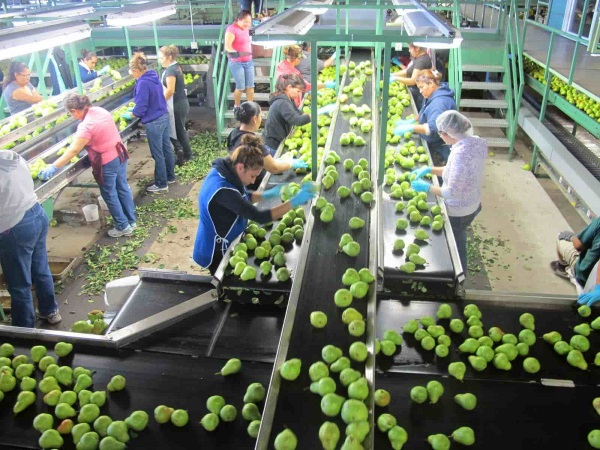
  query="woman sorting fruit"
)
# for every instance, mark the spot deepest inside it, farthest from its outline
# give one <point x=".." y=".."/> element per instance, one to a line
<point x="420" y="61"/>
<point x="172" y="79"/>
<point x="438" y="99"/>
<point x="250" y="119"/>
<point x="283" y="113"/>
<point x="151" y="108"/>
<point x="23" y="255"/>
<point x="462" y="175"/>
<point x="98" y="134"/>
<point x="226" y="206"/>
<point x="293" y="56"/>
<point x="19" y="93"/>
<point x="87" y="64"/>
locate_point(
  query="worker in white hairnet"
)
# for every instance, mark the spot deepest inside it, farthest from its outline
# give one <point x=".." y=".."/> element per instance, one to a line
<point x="462" y="176"/>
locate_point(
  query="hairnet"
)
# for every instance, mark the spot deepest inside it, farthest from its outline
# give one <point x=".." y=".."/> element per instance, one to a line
<point x="454" y="124"/>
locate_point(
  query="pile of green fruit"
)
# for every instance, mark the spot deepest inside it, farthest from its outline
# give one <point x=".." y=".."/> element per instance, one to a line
<point x="62" y="387"/>
<point x="570" y="93"/>
<point x="270" y="250"/>
<point x="13" y="123"/>
<point x="116" y="115"/>
<point x="198" y="59"/>
<point x="399" y="98"/>
<point x="113" y="63"/>
<point x="35" y="167"/>
<point x="44" y="108"/>
<point x="189" y="78"/>
<point x="95" y="323"/>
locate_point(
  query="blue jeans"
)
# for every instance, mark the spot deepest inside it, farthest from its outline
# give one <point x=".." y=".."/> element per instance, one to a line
<point x="247" y="4"/>
<point x="117" y="193"/>
<point x="161" y="149"/>
<point x="243" y="74"/>
<point x="24" y="260"/>
<point x="459" y="229"/>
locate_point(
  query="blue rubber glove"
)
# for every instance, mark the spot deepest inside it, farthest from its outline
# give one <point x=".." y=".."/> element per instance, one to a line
<point x="104" y="71"/>
<point x="421" y="172"/>
<point x="299" y="164"/>
<point x="330" y="84"/>
<point x="396" y="61"/>
<point x="399" y="122"/>
<point x="272" y="193"/>
<point x="334" y="55"/>
<point x="591" y="297"/>
<point x="408" y="127"/>
<point x="420" y="186"/>
<point x="47" y="172"/>
<point x="309" y="186"/>
<point x="392" y="79"/>
<point x="327" y="109"/>
<point x="302" y="197"/>
<point x="130" y="109"/>
<point x="127" y="115"/>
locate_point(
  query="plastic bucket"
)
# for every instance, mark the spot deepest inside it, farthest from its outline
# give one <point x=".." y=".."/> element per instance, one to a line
<point x="91" y="213"/>
<point x="102" y="203"/>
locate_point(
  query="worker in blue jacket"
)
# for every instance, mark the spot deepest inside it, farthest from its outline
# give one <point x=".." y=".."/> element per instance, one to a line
<point x="225" y="205"/>
<point x="87" y="67"/>
<point x="438" y="98"/>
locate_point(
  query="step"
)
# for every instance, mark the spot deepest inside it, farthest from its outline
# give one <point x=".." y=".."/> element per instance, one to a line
<point x="261" y="79"/>
<point x="229" y="114"/>
<point x="499" y="142"/>
<point x="262" y="62"/>
<point x="478" y="103"/>
<point x="486" y="122"/>
<point x="483" y="86"/>
<point x="258" y="97"/>
<point x="482" y="68"/>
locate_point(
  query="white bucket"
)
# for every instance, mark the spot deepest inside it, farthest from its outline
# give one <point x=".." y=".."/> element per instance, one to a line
<point x="102" y="203"/>
<point x="91" y="213"/>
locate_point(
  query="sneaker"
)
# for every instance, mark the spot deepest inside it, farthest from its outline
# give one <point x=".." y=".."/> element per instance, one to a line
<point x="155" y="188"/>
<point x="559" y="269"/>
<point x="118" y="233"/>
<point x="133" y="225"/>
<point x="52" y="318"/>
<point x="171" y="181"/>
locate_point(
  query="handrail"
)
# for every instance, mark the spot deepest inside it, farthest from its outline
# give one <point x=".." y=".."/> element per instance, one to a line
<point x="583" y="41"/>
<point x="220" y="64"/>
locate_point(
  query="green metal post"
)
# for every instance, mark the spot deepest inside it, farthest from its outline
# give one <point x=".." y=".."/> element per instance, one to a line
<point x="338" y="15"/>
<point x="76" y="68"/>
<point x="39" y="67"/>
<point x="314" y="129"/>
<point x="547" y="76"/>
<point x="378" y="47"/>
<point x="127" y="42"/>
<point x="347" y="24"/>
<point x="387" y="56"/>
<point x="576" y="50"/>
<point x="158" y="66"/>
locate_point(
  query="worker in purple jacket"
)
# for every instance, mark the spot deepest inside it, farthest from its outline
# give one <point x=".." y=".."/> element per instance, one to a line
<point x="151" y="108"/>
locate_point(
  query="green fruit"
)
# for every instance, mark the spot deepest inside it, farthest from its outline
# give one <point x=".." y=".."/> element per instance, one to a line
<point x="254" y="393"/>
<point x="100" y="426"/>
<point x="253" y="428"/>
<point x="444" y="311"/>
<point x="318" y="319"/>
<point x="228" y="413"/>
<point x="464" y="436"/>
<point x="418" y="394"/>
<point x="162" y="414"/>
<point x="397" y="437"/>
<point x="286" y="440"/>
<point x="324" y="386"/>
<point x="62" y="349"/>
<point x="180" y="418"/>
<point x="290" y="370"/>
<point x="43" y="422"/>
<point x="216" y="402"/>
<point x="457" y="370"/>
<point x="231" y="367"/>
<point x="50" y="439"/>
<point x="210" y="422"/>
<point x="37" y="353"/>
<point x="386" y="422"/>
<point x="118" y="430"/>
<point x="358" y="351"/>
<point x="531" y="365"/>
<point x="330" y="354"/>
<point x="439" y="442"/>
<point x="354" y="411"/>
<point x="468" y="401"/>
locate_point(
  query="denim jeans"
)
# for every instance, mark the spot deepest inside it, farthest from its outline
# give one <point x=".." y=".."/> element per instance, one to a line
<point x="247" y="4"/>
<point x="117" y="193"/>
<point x="181" y="110"/>
<point x="24" y="261"/>
<point x="459" y="229"/>
<point x="243" y="74"/>
<point x="157" y="132"/>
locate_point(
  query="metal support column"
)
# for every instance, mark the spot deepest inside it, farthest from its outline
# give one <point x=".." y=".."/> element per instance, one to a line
<point x="127" y="42"/>
<point x="314" y="129"/>
<point x="39" y="68"/>
<point x="387" y="56"/>
<point x="158" y="66"/>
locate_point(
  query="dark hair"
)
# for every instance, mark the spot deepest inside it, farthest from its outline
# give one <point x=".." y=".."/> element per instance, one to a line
<point x="138" y="62"/>
<point x="427" y="77"/>
<point x="76" y="101"/>
<point x="305" y="45"/>
<point x="292" y="52"/>
<point x="247" y="111"/>
<point x="88" y="55"/>
<point x="242" y="15"/>
<point x="13" y="68"/>
<point x="248" y="153"/>
<point x="290" y="79"/>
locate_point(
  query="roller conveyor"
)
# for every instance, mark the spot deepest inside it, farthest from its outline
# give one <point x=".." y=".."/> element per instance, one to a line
<point x="292" y="405"/>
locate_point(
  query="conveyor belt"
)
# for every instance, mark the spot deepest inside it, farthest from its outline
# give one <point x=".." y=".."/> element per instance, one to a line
<point x="508" y="415"/>
<point x="583" y="154"/>
<point x="297" y="408"/>
<point x="152" y="379"/>
<point x="392" y="314"/>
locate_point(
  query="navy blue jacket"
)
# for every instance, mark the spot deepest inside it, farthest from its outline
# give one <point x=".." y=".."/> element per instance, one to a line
<point x="441" y="100"/>
<point x="150" y="103"/>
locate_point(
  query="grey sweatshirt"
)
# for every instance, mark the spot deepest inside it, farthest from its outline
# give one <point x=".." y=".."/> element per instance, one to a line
<point x="16" y="189"/>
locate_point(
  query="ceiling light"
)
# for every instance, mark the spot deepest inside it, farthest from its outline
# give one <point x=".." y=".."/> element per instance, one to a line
<point x="291" y="21"/>
<point x="139" y="14"/>
<point x="63" y="12"/>
<point x="456" y="42"/>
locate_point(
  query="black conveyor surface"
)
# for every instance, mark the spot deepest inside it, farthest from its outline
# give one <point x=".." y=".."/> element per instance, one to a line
<point x="413" y="358"/>
<point x="508" y="415"/>
<point x="297" y="408"/>
<point x="156" y="295"/>
<point x="177" y="381"/>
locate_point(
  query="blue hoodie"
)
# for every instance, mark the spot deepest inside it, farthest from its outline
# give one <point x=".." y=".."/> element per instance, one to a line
<point x="441" y="100"/>
<point x="150" y="103"/>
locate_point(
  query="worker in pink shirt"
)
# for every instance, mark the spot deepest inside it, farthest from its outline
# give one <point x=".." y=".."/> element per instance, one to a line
<point x="238" y="47"/>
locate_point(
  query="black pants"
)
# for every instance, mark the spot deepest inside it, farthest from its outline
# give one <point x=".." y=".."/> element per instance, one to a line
<point x="181" y="109"/>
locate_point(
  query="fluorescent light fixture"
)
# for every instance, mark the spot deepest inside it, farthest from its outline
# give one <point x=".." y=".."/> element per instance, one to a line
<point x="317" y="7"/>
<point x="139" y="14"/>
<point x="456" y="42"/>
<point x="275" y="43"/>
<point x="23" y="41"/>
<point x="291" y="21"/>
<point x="64" y="12"/>
<point x="418" y="23"/>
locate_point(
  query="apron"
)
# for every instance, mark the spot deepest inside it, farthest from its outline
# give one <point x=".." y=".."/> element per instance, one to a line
<point x="170" y="110"/>
<point x="96" y="161"/>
